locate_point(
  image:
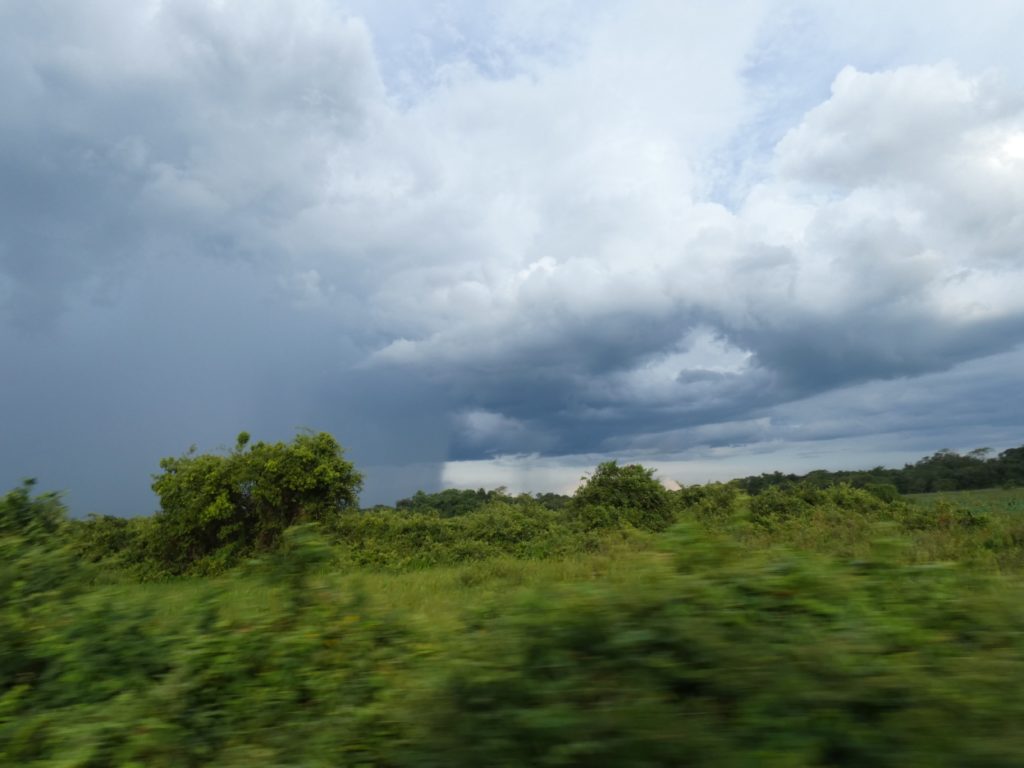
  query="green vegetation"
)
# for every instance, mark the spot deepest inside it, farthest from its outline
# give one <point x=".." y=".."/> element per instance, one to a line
<point x="629" y="625"/>
<point x="981" y="501"/>
<point x="452" y="502"/>
<point x="215" y="511"/>
<point x="941" y="472"/>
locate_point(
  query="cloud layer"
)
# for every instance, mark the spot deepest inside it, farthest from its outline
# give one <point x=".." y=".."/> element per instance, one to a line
<point x="496" y="229"/>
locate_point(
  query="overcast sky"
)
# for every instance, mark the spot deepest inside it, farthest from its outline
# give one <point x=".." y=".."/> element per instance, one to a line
<point x="491" y="243"/>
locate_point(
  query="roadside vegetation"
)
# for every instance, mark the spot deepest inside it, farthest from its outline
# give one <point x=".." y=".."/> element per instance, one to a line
<point x="262" y="618"/>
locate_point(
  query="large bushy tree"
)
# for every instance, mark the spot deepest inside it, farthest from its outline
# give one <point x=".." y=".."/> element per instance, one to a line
<point x="216" y="508"/>
<point x="629" y="493"/>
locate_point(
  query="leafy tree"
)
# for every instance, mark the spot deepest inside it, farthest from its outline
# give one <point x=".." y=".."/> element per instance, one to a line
<point x="629" y="492"/>
<point x="215" y="509"/>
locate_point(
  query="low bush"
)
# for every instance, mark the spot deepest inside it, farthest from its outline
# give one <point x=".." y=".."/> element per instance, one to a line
<point x="397" y="540"/>
<point x="714" y="504"/>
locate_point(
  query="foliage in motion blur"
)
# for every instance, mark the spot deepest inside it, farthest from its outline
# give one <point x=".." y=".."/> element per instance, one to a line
<point x="628" y="625"/>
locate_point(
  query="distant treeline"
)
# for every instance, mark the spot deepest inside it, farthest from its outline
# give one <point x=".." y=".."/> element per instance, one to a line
<point x="453" y="502"/>
<point x="218" y="511"/>
<point x="945" y="470"/>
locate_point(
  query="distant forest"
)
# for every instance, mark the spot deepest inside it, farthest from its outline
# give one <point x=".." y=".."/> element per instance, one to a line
<point x="945" y="470"/>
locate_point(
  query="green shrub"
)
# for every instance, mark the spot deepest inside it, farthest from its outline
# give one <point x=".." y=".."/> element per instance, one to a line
<point x="614" y="494"/>
<point x="396" y="540"/>
<point x="100" y="537"/>
<point x="776" y="504"/>
<point x="123" y="547"/>
<point x="712" y="504"/>
<point x="883" y="491"/>
<point x="215" y="510"/>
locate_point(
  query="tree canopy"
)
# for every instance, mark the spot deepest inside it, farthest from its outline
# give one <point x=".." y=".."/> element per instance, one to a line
<point x="225" y="506"/>
<point x="629" y="492"/>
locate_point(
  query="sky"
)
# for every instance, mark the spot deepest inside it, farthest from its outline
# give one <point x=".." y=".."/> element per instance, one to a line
<point x="495" y="243"/>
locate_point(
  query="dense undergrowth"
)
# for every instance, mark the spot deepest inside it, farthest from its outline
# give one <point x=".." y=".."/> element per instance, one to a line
<point x="800" y="627"/>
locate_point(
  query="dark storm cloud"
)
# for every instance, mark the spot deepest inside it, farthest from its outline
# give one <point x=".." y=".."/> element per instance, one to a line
<point x="503" y="239"/>
<point x="150" y="160"/>
<point x="137" y="130"/>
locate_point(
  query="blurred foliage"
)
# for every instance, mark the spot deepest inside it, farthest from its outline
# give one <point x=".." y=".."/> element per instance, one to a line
<point x="33" y="520"/>
<point x="806" y="625"/>
<point x="94" y="679"/>
<point x="740" y="658"/>
<point x="394" y="540"/>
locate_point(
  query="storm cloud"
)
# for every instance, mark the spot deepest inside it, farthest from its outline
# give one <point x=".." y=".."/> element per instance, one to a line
<point x="457" y="236"/>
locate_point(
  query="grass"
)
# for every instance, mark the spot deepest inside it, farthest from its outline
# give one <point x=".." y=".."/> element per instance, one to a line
<point x="431" y="600"/>
<point x="981" y="501"/>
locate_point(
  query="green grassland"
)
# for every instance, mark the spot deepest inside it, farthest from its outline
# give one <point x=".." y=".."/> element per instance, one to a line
<point x="984" y="500"/>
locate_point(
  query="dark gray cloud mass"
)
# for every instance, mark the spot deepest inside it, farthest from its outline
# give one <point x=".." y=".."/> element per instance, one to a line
<point x="458" y="235"/>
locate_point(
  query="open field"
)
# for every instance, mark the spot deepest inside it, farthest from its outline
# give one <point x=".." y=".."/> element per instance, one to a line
<point x="980" y="501"/>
